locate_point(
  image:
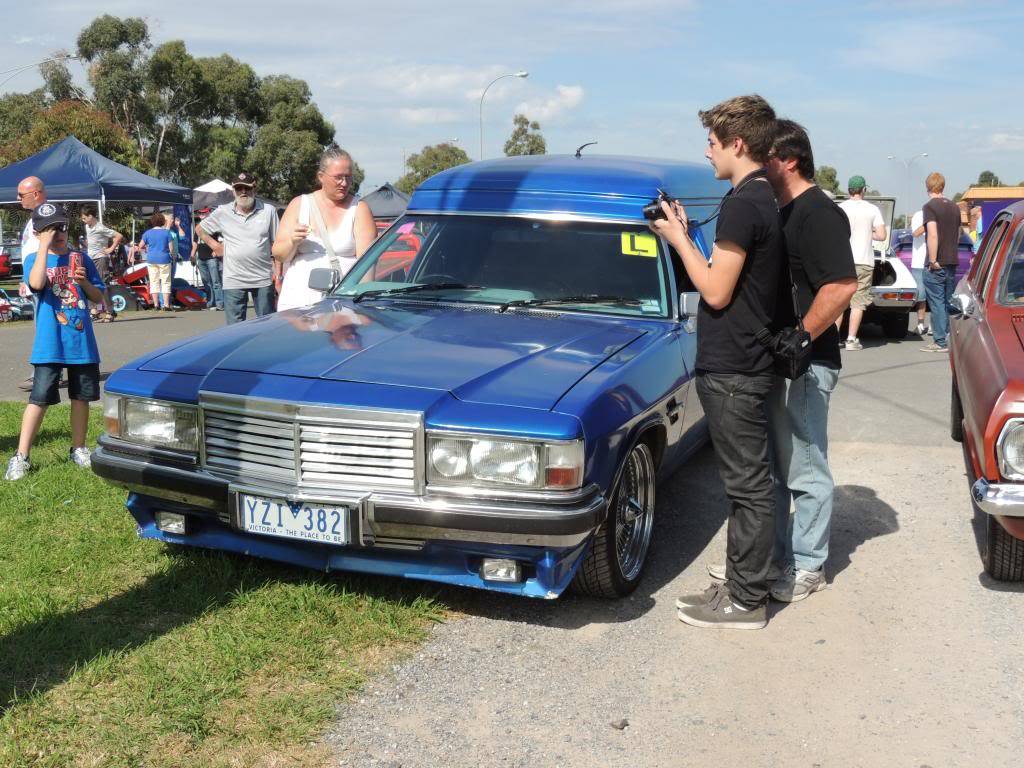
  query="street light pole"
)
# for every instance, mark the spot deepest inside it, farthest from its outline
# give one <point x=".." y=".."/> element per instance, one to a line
<point x="906" y="181"/>
<point x="520" y="73"/>
<point x="18" y="70"/>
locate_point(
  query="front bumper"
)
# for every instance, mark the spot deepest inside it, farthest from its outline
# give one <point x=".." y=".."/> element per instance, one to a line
<point x="383" y="518"/>
<point x="999" y="499"/>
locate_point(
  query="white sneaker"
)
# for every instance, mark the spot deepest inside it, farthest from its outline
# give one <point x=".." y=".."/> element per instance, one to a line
<point x="17" y="467"/>
<point x="921" y="329"/>
<point x="82" y="457"/>
<point x="798" y="584"/>
<point x="852" y="345"/>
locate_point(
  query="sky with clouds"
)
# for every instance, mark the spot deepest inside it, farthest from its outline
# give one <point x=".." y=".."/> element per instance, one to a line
<point x="867" y="79"/>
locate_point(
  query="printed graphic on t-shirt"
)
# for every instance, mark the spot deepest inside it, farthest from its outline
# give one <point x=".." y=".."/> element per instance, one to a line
<point x="68" y="294"/>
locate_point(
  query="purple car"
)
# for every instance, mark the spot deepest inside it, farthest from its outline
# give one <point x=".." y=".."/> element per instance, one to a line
<point x="903" y="246"/>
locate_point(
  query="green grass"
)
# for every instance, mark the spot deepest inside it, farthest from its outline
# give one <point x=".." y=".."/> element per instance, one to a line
<point x="120" y="652"/>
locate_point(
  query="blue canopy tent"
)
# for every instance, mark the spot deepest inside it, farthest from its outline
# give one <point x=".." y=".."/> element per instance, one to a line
<point x="74" y="173"/>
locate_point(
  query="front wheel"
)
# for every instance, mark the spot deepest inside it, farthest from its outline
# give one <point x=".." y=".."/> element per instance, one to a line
<point x="122" y="299"/>
<point x="618" y="553"/>
<point x="956" y="416"/>
<point x="1004" y="554"/>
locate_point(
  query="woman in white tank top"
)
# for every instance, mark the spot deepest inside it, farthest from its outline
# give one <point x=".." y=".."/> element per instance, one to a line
<point x="329" y="228"/>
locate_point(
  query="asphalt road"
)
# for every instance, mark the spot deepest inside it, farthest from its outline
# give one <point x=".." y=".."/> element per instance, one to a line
<point x="911" y="658"/>
<point x="121" y="341"/>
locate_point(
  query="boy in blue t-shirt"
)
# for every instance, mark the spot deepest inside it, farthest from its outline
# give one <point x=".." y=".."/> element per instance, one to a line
<point x="64" y="336"/>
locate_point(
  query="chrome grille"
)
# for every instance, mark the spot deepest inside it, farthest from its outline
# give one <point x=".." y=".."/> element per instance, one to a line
<point x="317" y="447"/>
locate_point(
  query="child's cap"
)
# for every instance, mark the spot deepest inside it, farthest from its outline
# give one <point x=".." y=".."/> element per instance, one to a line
<point x="48" y="214"/>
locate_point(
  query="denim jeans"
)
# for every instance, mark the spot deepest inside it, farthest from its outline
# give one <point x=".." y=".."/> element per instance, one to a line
<point x="209" y="270"/>
<point x="939" y="285"/>
<point x="736" y="411"/>
<point x="798" y="417"/>
<point x="236" y="302"/>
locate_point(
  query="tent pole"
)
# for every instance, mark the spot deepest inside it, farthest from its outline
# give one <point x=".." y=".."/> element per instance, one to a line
<point x="102" y="204"/>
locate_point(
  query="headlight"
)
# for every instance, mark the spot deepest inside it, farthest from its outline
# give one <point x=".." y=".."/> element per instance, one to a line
<point x="151" y="422"/>
<point x="504" y="463"/>
<point x="1011" y="450"/>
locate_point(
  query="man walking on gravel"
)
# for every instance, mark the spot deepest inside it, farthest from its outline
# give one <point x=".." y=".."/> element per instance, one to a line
<point x="821" y="264"/>
<point x="738" y="289"/>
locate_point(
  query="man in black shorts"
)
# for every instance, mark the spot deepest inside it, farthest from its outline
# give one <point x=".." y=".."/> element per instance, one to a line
<point x="739" y="291"/>
<point x="817" y="234"/>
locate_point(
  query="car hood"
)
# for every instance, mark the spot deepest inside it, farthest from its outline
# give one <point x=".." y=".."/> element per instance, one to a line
<point x="528" y="359"/>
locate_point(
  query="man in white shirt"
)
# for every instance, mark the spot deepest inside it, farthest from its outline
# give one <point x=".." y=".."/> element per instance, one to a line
<point x="918" y="255"/>
<point x="866" y="224"/>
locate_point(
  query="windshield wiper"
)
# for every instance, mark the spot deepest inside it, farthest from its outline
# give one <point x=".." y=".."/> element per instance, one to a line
<point x="586" y="298"/>
<point x="412" y="289"/>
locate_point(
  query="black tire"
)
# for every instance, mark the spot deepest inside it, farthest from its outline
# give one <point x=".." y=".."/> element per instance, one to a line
<point x="1004" y="554"/>
<point x="122" y="299"/>
<point x="896" y="326"/>
<point x="956" y="416"/>
<point x="601" y="573"/>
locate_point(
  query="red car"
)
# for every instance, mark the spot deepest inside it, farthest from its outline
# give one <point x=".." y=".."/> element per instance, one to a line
<point x="986" y="352"/>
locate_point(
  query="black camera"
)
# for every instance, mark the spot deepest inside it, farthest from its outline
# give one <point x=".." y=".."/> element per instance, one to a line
<point x="653" y="209"/>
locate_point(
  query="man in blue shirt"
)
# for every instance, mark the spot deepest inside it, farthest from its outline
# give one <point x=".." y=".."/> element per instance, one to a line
<point x="63" y="284"/>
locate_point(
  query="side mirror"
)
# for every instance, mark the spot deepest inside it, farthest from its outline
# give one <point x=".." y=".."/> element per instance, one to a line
<point x="688" y="303"/>
<point x="323" y="279"/>
<point x="960" y="305"/>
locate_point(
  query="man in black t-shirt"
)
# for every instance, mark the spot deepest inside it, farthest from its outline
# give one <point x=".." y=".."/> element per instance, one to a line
<point x="817" y="234"/>
<point x="738" y="288"/>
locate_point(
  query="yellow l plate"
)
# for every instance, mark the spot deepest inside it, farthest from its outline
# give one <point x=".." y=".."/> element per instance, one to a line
<point x="639" y="244"/>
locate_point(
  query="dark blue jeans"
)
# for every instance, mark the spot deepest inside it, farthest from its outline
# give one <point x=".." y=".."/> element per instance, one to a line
<point x="939" y="285"/>
<point x="236" y="302"/>
<point x="209" y="270"/>
<point x="737" y="413"/>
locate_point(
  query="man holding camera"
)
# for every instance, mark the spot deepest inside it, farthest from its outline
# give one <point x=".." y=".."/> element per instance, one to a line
<point x="739" y="291"/>
<point x="817" y="236"/>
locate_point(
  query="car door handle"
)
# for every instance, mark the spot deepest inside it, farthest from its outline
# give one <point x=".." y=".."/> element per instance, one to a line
<point x="672" y="407"/>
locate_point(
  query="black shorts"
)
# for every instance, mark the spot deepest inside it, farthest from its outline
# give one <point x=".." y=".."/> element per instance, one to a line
<point x="83" y="383"/>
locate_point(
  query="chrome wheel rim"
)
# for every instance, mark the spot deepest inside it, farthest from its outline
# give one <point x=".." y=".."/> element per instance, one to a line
<point x="634" y="512"/>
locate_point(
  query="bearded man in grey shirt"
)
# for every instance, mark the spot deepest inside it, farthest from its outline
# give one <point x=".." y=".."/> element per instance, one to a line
<point x="248" y="228"/>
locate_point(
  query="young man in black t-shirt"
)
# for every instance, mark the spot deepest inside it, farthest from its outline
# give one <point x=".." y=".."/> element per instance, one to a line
<point x="738" y="288"/>
<point x="817" y="235"/>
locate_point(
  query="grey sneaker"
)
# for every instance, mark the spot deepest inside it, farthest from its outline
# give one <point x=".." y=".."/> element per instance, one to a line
<point x="720" y="611"/>
<point x="17" y="467"/>
<point x="798" y="584"/>
<point x="933" y="347"/>
<point x="775" y="571"/>
<point x="82" y="457"/>
<point x="699" y="598"/>
<point x="853" y="345"/>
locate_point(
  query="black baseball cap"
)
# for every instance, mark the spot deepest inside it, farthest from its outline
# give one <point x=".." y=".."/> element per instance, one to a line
<point x="48" y="214"/>
<point x="244" y="179"/>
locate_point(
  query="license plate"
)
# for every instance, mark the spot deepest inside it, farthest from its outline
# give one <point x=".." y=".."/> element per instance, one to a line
<point x="308" y="521"/>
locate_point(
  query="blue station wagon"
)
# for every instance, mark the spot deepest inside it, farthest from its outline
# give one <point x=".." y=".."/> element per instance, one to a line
<point x="486" y="399"/>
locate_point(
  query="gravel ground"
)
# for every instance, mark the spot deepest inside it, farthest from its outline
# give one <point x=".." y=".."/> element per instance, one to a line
<point x="911" y="658"/>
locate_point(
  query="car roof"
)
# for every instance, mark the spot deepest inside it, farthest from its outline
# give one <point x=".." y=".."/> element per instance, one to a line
<point x="591" y="186"/>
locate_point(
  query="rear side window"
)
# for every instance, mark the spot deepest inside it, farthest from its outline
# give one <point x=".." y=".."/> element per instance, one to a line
<point x="1011" y="284"/>
<point x="986" y="258"/>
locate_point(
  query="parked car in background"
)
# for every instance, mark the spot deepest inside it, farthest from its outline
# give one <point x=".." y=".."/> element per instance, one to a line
<point x="12" y="249"/>
<point x="5" y="264"/>
<point x="490" y="411"/>
<point x="986" y="353"/>
<point x="903" y="247"/>
<point x="21" y="307"/>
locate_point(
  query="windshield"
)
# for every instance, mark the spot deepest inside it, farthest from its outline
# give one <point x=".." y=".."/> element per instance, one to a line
<point x="509" y="261"/>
